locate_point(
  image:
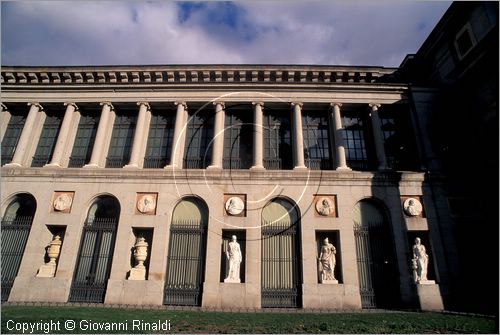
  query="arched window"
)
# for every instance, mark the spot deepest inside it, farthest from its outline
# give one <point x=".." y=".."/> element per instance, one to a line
<point x="281" y="270"/>
<point x="16" y="225"/>
<point x="186" y="253"/>
<point x="377" y="269"/>
<point x="96" y="251"/>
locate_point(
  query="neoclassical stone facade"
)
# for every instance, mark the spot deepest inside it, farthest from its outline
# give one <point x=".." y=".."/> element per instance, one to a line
<point x="168" y="163"/>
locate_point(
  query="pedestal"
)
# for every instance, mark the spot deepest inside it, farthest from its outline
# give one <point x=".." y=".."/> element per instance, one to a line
<point x="47" y="271"/>
<point x="229" y="280"/>
<point x="137" y="274"/>
<point x="329" y="281"/>
<point x="429" y="296"/>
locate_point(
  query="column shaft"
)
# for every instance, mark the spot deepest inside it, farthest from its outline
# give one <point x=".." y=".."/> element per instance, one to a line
<point x="63" y="134"/>
<point x="258" y="136"/>
<point x="177" y="152"/>
<point x="140" y="135"/>
<point x="218" y="142"/>
<point x="100" y="137"/>
<point x="339" y="140"/>
<point x="25" y="137"/>
<point x="4" y="119"/>
<point x="298" y="139"/>
<point x="378" y="137"/>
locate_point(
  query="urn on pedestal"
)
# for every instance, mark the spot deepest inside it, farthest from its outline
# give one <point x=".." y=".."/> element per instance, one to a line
<point x="140" y="256"/>
<point x="53" y="251"/>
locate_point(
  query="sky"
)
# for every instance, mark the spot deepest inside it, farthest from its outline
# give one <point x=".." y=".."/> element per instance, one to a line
<point x="314" y="32"/>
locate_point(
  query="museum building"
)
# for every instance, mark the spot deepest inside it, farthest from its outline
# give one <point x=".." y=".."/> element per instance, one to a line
<point x="217" y="186"/>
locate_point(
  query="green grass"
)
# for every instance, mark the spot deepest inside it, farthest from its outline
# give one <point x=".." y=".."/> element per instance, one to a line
<point x="219" y="322"/>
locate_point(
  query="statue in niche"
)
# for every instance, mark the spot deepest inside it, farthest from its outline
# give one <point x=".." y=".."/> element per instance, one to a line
<point x="420" y="262"/>
<point x="233" y="254"/>
<point x="327" y="262"/>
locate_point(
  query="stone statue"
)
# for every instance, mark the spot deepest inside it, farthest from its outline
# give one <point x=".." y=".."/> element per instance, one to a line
<point x="327" y="262"/>
<point x="140" y="255"/>
<point x="420" y="262"/>
<point x="233" y="254"/>
<point x="53" y="251"/>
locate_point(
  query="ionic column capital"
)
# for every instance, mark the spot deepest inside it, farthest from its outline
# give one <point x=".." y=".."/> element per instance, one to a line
<point x="71" y="104"/>
<point x="335" y="104"/>
<point x="374" y="106"/>
<point x="258" y="103"/>
<point x="297" y="103"/>
<point x="181" y="103"/>
<point x="4" y="108"/>
<point x="222" y="103"/>
<point x="107" y="103"/>
<point x="144" y="103"/>
<point x="36" y="104"/>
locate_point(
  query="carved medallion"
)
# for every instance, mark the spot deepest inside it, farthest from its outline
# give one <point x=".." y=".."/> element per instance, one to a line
<point x="146" y="203"/>
<point x="325" y="206"/>
<point x="62" y="202"/>
<point x="234" y="206"/>
<point x="412" y="207"/>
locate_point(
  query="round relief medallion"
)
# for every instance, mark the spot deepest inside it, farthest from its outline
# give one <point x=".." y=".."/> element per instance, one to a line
<point x="146" y="203"/>
<point x="324" y="206"/>
<point x="234" y="206"/>
<point x="62" y="202"/>
<point x="412" y="207"/>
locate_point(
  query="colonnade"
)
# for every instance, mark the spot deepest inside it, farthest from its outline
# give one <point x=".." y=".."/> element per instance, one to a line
<point x="179" y="136"/>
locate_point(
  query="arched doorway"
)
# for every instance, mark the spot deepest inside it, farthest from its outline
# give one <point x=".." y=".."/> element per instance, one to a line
<point x="96" y="251"/>
<point x="281" y="270"/>
<point x="16" y="225"/>
<point x="186" y="253"/>
<point x="377" y="268"/>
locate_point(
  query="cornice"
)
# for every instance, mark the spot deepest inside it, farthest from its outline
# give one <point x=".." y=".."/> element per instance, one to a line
<point x="193" y="74"/>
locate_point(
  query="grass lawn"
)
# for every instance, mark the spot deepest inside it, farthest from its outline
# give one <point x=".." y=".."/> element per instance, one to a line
<point x="219" y="322"/>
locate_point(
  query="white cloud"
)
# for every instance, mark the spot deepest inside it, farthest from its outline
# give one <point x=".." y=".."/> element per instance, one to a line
<point x="314" y="32"/>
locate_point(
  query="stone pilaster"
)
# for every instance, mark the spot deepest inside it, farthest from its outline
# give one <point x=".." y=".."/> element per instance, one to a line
<point x="140" y="135"/>
<point x="298" y="139"/>
<point x="378" y="136"/>
<point x="336" y="121"/>
<point x="179" y="136"/>
<point x="218" y="142"/>
<point x="26" y="134"/>
<point x="62" y="138"/>
<point x="258" y="136"/>
<point x="100" y="138"/>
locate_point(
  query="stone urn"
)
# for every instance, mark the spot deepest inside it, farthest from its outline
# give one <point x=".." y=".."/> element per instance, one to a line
<point x="141" y="252"/>
<point x="54" y="249"/>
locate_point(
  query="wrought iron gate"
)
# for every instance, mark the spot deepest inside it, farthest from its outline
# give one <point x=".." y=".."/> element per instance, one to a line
<point x="186" y="263"/>
<point x="378" y="279"/>
<point x="15" y="231"/>
<point x="94" y="260"/>
<point x="280" y="265"/>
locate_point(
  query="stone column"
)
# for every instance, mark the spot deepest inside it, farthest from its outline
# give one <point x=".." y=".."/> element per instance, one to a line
<point x="218" y="142"/>
<point x="258" y="136"/>
<point x="62" y="138"/>
<point x="100" y="137"/>
<point x="25" y="137"/>
<point x="4" y="119"/>
<point x="298" y="139"/>
<point x="339" y="140"/>
<point x="378" y="137"/>
<point x="177" y="152"/>
<point x="140" y="135"/>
